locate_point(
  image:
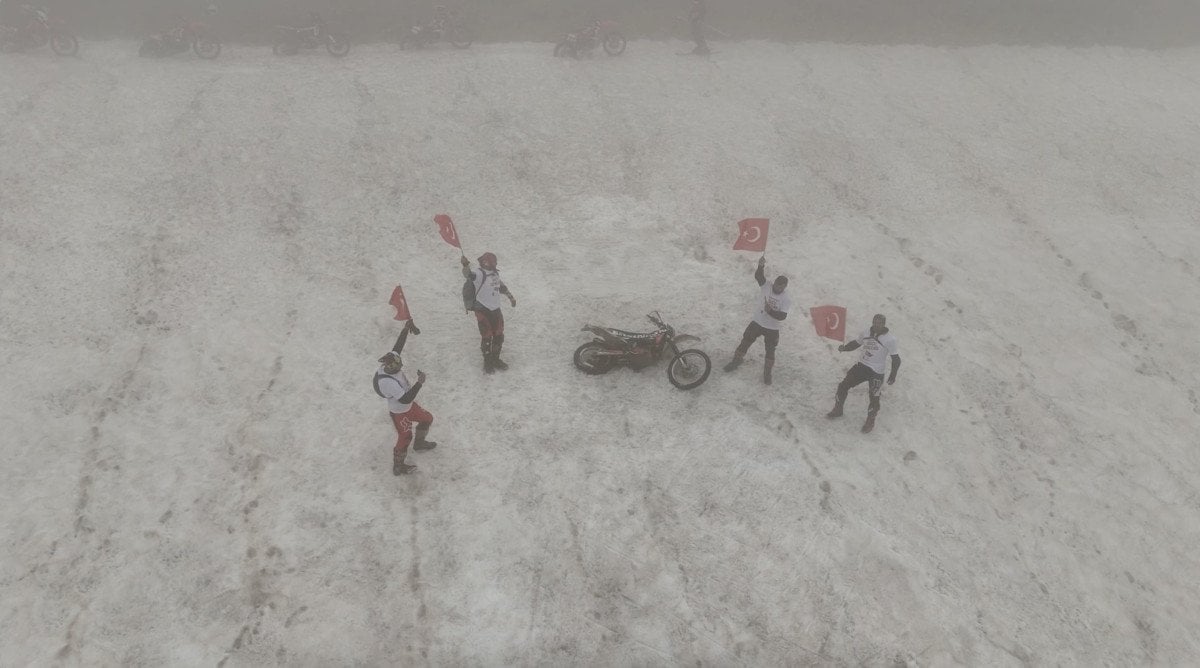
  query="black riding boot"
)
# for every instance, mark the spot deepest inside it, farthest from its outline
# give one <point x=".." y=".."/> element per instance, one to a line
<point x="421" y="443"/>
<point x="497" y="344"/>
<point x="485" y="347"/>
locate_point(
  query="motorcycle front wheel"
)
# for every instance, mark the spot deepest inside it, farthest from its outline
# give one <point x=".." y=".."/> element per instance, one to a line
<point x="206" y="48"/>
<point x="337" y="45"/>
<point x="588" y="359"/>
<point x="614" y="44"/>
<point x="460" y="38"/>
<point x="688" y="369"/>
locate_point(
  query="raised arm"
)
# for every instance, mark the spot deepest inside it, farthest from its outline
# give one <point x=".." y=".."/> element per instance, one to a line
<point x="760" y="273"/>
<point x="400" y="341"/>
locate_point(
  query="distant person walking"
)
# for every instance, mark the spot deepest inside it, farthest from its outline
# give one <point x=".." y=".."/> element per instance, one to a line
<point x="696" y="18"/>
<point x="878" y="344"/>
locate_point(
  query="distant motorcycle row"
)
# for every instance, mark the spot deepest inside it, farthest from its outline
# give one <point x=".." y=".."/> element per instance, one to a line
<point x="38" y="29"/>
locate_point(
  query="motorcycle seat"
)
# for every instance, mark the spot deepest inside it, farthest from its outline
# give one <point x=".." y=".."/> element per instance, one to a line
<point x="631" y="336"/>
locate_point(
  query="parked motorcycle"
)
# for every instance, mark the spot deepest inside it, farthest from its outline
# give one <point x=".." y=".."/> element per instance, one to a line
<point x="38" y="31"/>
<point x="191" y="35"/>
<point x="289" y="40"/>
<point x="614" y="347"/>
<point x="583" y="42"/>
<point x="450" y="28"/>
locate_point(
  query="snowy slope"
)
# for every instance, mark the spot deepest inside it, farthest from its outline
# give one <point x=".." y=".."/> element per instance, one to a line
<point x="196" y="259"/>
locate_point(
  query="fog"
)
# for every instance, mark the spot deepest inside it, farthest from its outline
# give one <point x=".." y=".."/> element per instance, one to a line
<point x="1146" y="24"/>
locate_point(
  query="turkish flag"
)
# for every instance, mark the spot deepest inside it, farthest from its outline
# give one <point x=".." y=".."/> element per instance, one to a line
<point x="397" y="300"/>
<point x="830" y="321"/>
<point x="446" y="227"/>
<point x="752" y="235"/>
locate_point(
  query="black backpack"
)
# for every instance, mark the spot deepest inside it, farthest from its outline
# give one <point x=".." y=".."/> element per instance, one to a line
<point x="470" y="292"/>
<point x="379" y="375"/>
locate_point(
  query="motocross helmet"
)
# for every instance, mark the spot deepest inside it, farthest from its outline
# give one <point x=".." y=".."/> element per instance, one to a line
<point x="391" y="362"/>
<point x="488" y="261"/>
<point x="878" y="325"/>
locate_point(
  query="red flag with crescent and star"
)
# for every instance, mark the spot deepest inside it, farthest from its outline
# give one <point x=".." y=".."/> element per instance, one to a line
<point x="446" y="228"/>
<point x="752" y="235"/>
<point x="401" y="305"/>
<point x="830" y="321"/>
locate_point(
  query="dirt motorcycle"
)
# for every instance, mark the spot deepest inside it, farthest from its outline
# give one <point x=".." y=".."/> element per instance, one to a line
<point x="583" y="42"/>
<point x="37" y="32"/>
<point x="614" y="347"/>
<point x="191" y="35"/>
<point x="289" y="40"/>
<point x="452" y="30"/>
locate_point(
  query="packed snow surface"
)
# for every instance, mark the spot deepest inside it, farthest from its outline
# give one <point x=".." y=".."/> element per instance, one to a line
<point x="196" y="262"/>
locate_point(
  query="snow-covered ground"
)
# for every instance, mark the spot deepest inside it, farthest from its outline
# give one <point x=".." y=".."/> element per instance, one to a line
<point x="196" y="259"/>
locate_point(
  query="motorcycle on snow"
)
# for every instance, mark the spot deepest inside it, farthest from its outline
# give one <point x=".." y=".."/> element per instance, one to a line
<point x="191" y="35"/>
<point x="612" y="348"/>
<point x="446" y="25"/>
<point x="38" y="31"/>
<point x="289" y="40"/>
<point x="583" y="42"/>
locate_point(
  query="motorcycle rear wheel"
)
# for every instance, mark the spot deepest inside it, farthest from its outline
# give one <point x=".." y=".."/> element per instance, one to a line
<point x="614" y="44"/>
<point x="689" y="369"/>
<point x="206" y="48"/>
<point x="337" y="45"/>
<point x="64" y="44"/>
<point x="588" y="361"/>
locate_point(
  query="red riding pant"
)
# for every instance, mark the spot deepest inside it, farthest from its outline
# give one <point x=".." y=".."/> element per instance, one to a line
<point x="404" y="423"/>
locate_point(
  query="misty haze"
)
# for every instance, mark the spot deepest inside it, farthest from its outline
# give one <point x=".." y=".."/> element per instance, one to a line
<point x="629" y="333"/>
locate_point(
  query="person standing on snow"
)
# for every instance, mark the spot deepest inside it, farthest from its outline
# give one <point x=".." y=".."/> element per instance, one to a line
<point x="696" y="18"/>
<point x="772" y="310"/>
<point x="878" y="344"/>
<point x="488" y="288"/>
<point x="392" y="384"/>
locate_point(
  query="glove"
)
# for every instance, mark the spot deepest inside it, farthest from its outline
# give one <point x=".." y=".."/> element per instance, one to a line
<point x="464" y="261"/>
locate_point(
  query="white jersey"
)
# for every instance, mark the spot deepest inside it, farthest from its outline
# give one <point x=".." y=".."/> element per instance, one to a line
<point x="876" y="350"/>
<point x="487" y="288"/>
<point x="393" y="386"/>
<point x="780" y="303"/>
